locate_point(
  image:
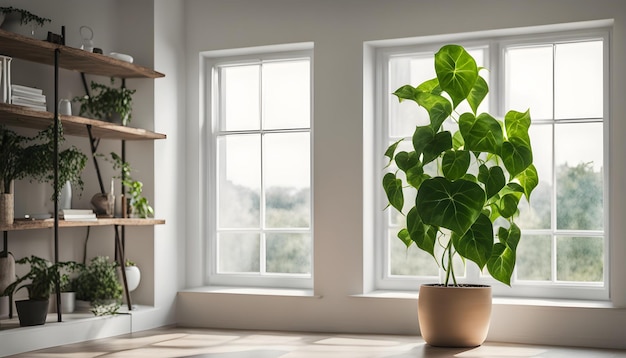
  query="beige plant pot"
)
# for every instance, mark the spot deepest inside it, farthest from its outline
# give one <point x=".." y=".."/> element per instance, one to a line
<point x="454" y="316"/>
<point x="7" y="214"/>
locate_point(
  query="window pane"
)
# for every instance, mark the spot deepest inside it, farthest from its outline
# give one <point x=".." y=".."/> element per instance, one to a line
<point x="238" y="252"/>
<point x="411" y="262"/>
<point x="240" y="97"/>
<point x="286" y="94"/>
<point x="529" y="80"/>
<point x="537" y="215"/>
<point x="403" y="117"/>
<point x="288" y="253"/>
<point x="534" y="258"/>
<point x="578" y="80"/>
<point x="579" y="183"/>
<point x="287" y="175"/>
<point x="239" y="179"/>
<point x="580" y="259"/>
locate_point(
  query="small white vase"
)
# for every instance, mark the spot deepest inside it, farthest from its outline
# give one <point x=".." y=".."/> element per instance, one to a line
<point x="65" y="196"/>
<point x="133" y="276"/>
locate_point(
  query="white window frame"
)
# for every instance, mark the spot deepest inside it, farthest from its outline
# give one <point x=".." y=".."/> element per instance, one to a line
<point x="380" y="53"/>
<point x="210" y="60"/>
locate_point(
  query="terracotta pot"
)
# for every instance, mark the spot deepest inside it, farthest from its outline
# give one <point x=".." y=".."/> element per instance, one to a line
<point x="7" y="214"/>
<point x="454" y="316"/>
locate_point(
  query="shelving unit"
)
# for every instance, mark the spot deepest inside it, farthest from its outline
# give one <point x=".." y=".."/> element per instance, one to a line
<point x="60" y="56"/>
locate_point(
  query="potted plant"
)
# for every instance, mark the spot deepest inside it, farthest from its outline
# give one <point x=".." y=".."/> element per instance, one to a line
<point x="483" y="169"/>
<point x="15" y="20"/>
<point x="98" y="284"/>
<point x="40" y="165"/>
<point x="43" y="276"/>
<point x="12" y="167"/>
<point x="138" y="206"/>
<point x="110" y="104"/>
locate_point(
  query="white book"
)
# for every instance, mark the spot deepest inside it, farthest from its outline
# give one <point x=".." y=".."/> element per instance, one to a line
<point x="32" y="90"/>
<point x="31" y="96"/>
<point x="32" y="106"/>
<point x="79" y="217"/>
<point x="15" y="98"/>
<point x="76" y="211"/>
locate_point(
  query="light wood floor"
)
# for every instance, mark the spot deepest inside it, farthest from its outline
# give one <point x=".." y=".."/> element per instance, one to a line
<point x="199" y="343"/>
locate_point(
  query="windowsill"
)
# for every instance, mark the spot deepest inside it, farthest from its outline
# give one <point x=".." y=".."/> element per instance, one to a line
<point x="503" y="301"/>
<point x="259" y="291"/>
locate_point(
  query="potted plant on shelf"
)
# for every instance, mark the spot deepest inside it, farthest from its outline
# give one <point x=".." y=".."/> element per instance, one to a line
<point x="137" y="206"/>
<point x="110" y="103"/>
<point x="12" y="167"/>
<point x="43" y="276"/>
<point x="20" y="20"/>
<point x="483" y="169"/>
<point x="40" y="165"/>
<point x="98" y="284"/>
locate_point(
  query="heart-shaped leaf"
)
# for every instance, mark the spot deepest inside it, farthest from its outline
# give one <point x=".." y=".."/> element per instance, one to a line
<point x="528" y="180"/>
<point x="516" y="155"/>
<point x="454" y="205"/>
<point x="438" y="107"/>
<point x="440" y="143"/>
<point x="406" y="161"/>
<point x="406" y="92"/>
<point x="476" y="244"/>
<point x="403" y="235"/>
<point x="420" y="233"/>
<point x="517" y="124"/>
<point x="455" y="163"/>
<point x="393" y="189"/>
<point x="456" y="71"/>
<point x="478" y="93"/>
<point x="493" y="178"/>
<point x="421" y="137"/>
<point x="482" y="133"/>
<point x="501" y="263"/>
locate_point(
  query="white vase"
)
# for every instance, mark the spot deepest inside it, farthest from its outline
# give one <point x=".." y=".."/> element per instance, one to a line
<point x="65" y="196"/>
<point x="133" y="276"/>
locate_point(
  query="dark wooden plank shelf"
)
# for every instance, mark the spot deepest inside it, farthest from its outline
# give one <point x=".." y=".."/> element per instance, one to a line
<point x="26" y="224"/>
<point x="70" y="58"/>
<point x="20" y="116"/>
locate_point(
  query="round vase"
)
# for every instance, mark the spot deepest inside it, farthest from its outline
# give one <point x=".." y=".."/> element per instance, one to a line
<point x="133" y="276"/>
<point x="454" y="316"/>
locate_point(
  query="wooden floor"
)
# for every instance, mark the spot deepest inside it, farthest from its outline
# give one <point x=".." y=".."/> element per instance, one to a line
<point x="198" y="343"/>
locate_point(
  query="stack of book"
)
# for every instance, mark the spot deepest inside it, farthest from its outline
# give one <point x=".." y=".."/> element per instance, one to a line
<point x="77" y="215"/>
<point x="28" y="96"/>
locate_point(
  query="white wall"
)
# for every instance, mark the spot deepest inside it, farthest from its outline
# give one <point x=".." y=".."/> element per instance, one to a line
<point x="339" y="29"/>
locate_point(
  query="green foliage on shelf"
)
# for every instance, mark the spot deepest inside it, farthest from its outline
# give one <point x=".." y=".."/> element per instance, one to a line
<point x="99" y="284"/>
<point x="43" y="276"/>
<point x="26" y="17"/>
<point x="106" y="102"/>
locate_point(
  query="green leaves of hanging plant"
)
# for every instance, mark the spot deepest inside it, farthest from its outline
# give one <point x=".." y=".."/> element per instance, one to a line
<point x="454" y="205"/>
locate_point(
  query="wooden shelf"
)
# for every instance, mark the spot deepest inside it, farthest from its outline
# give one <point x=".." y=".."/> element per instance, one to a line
<point x="20" y="116"/>
<point x="25" y="224"/>
<point x="70" y="58"/>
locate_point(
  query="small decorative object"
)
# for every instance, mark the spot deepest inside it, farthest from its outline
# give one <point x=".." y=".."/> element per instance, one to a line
<point x="108" y="103"/>
<point x="12" y="167"/>
<point x="122" y="56"/>
<point x="483" y="170"/>
<point x="21" y="21"/>
<point x="65" y="107"/>
<point x="133" y="275"/>
<point x="42" y="275"/>
<point x="5" y="79"/>
<point x="86" y="34"/>
<point x="138" y="206"/>
<point x="104" y="203"/>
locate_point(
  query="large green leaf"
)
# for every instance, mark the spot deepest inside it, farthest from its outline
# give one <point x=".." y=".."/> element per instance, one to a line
<point x="438" y="107"/>
<point x="482" y="133"/>
<point x="516" y="155"/>
<point x="493" y="178"/>
<point x="508" y="205"/>
<point x="403" y="235"/>
<point x="420" y="233"/>
<point x="501" y="263"/>
<point x="476" y="244"/>
<point x="440" y="143"/>
<point x="456" y="71"/>
<point x="454" y="205"/>
<point x="406" y="92"/>
<point x="517" y="124"/>
<point x="478" y="93"/>
<point x="528" y="180"/>
<point x="421" y="137"/>
<point x="406" y="161"/>
<point x="455" y="163"/>
<point x="393" y="189"/>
